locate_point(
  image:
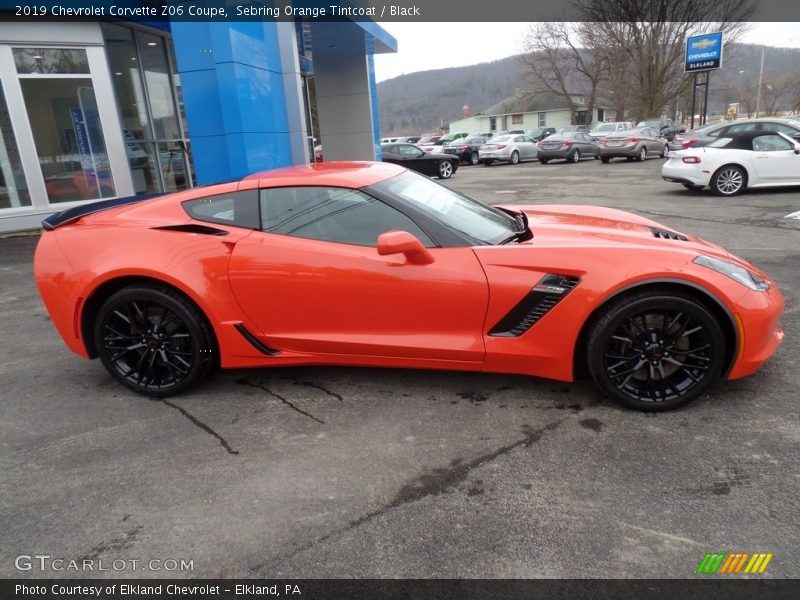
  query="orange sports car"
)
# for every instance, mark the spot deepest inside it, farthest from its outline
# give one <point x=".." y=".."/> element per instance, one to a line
<point x="370" y="264"/>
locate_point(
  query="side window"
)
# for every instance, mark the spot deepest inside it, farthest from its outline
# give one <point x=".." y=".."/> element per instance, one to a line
<point x="785" y="130"/>
<point x="237" y="208"/>
<point x="332" y="215"/>
<point x="770" y="143"/>
<point x="741" y="127"/>
<point x="412" y="151"/>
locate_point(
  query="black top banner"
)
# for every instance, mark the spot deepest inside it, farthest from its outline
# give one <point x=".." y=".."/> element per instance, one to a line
<point x="400" y="589"/>
<point x="150" y="11"/>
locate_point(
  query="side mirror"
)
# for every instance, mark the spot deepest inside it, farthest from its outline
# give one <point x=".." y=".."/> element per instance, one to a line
<point x="402" y="242"/>
<point x="797" y="148"/>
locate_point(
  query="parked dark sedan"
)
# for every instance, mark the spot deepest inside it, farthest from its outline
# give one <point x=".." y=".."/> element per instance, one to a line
<point x="412" y="157"/>
<point x="466" y="148"/>
<point x="570" y="146"/>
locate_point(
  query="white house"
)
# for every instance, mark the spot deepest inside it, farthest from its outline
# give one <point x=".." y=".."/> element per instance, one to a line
<point x="529" y="112"/>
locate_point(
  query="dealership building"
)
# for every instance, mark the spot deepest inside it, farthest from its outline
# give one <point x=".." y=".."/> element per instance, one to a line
<point x="109" y="108"/>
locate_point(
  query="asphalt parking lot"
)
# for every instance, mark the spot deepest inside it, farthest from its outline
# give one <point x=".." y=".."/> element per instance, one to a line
<point x="326" y="472"/>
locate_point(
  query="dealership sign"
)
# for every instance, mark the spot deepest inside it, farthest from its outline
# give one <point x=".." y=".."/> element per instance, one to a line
<point x="704" y="52"/>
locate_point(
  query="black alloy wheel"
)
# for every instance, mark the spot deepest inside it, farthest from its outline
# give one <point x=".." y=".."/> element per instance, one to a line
<point x="656" y="350"/>
<point x="153" y="340"/>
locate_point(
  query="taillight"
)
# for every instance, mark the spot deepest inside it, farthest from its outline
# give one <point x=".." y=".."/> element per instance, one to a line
<point x="540" y="145"/>
<point x="689" y="143"/>
<point x="566" y="143"/>
<point x="501" y="146"/>
<point x="691" y="160"/>
<point x="602" y="140"/>
<point x="462" y="149"/>
<point x="632" y="140"/>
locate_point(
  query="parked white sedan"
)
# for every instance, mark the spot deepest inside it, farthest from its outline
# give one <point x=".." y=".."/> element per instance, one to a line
<point x="738" y="161"/>
<point x="511" y="148"/>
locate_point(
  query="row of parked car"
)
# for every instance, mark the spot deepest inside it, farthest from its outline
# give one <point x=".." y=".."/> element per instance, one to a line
<point x="649" y="139"/>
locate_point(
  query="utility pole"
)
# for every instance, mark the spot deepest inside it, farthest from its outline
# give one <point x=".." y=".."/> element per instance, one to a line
<point x="760" y="79"/>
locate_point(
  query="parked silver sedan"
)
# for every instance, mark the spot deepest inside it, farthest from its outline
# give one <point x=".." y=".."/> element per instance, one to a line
<point x="638" y="143"/>
<point x="570" y="146"/>
<point x="511" y="148"/>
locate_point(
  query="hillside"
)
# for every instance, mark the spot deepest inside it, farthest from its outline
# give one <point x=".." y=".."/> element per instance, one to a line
<point x="422" y="101"/>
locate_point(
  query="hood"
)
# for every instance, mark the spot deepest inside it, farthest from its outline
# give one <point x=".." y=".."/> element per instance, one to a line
<point x="597" y="226"/>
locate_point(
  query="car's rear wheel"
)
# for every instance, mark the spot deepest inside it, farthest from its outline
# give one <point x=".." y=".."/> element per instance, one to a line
<point x="728" y="181"/>
<point x="473" y="159"/>
<point x="445" y="169"/>
<point x="665" y="151"/>
<point x="575" y="156"/>
<point x="642" y="154"/>
<point x="605" y="159"/>
<point x="544" y="161"/>
<point x="487" y="162"/>
<point x="656" y="350"/>
<point x="514" y="158"/>
<point x="153" y="340"/>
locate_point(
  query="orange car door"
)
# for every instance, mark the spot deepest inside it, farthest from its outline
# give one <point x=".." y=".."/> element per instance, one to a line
<point x="313" y="281"/>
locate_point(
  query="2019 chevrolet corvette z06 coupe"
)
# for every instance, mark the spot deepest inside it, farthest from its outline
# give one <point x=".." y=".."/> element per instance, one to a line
<point x="729" y="165"/>
<point x="369" y="264"/>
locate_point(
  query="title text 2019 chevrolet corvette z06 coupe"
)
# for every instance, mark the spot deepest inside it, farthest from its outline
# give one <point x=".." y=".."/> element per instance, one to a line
<point x="370" y="264"/>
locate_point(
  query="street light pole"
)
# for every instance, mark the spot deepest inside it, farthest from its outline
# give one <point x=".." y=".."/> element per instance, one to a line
<point x="760" y="79"/>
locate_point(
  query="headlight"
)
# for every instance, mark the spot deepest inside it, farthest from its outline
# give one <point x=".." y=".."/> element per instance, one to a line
<point x="744" y="276"/>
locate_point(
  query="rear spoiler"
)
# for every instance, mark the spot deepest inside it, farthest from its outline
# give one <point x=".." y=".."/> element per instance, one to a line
<point x="73" y="214"/>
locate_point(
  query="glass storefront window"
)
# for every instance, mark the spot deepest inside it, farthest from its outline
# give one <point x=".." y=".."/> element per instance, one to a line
<point x="127" y="79"/>
<point x="13" y="187"/>
<point x="50" y="61"/>
<point x="173" y="166"/>
<point x="159" y="87"/>
<point x="69" y="138"/>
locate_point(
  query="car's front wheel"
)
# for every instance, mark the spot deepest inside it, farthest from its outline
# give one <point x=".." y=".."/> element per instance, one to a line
<point x="665" y="151"/>
<point x="655" y="350"/>
<point x="728" y="181"/>
<point x="445" y="169"/>
<point x="642" y="154"/>
<point x="153" y="340"/>
<point x="473" y="159"/>
<point x="514" y="158"/>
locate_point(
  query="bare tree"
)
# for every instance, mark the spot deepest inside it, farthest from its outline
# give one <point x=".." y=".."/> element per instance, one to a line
<point x="647" y="38"/>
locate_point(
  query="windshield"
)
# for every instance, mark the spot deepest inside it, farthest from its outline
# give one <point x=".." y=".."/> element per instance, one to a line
<point x="455" y="210"/>
<point x="501" y="138"/>
<point x="605" y="127"/>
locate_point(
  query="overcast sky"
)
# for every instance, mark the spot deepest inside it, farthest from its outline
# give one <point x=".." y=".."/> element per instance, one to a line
<point x="424" y="46"/>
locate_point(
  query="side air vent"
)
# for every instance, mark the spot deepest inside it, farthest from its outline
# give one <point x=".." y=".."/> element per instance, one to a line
<point x="535" y="305"/>
<point x="255" y="342"/>
<point x="193" y="228"/>
<point x="665" y="234"/>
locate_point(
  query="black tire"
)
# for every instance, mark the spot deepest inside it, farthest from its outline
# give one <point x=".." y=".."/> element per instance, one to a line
<point x="605" y="159"/>
<point x="143" y="357"/>
<point x="473" y="159"/>
<point x="575" y="156"/>
<point x="445" y="169"/>
<point x="655" y="350"/>
<point x="544" y="161"/>
<point x="487" y="162"/>
<point x="642" y="155"/>
<point x="514" y="159"/>
<point x="728" y="181"/>
<point x="691" y="186"/>
<point x="665" y="151"/>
